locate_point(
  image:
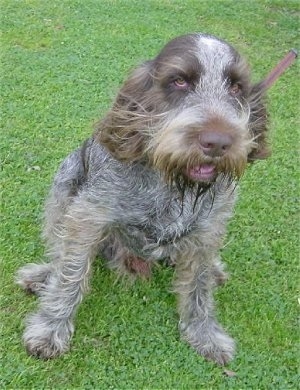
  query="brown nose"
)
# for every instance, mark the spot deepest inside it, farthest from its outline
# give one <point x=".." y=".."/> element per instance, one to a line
<point x="214" y="143"/>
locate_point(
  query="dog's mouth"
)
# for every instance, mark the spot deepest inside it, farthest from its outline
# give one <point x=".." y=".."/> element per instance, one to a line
<point x="202" y="173"/>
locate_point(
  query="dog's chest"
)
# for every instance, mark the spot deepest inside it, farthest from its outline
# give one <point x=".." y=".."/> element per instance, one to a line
<point x="161" y="224"/>
<point x="148" y="215"/>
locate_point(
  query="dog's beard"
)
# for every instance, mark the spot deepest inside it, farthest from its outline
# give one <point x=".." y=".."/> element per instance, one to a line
<point x="196" y="190"/>
<point x="187" y="187"/>
<point x="183" y="184"/>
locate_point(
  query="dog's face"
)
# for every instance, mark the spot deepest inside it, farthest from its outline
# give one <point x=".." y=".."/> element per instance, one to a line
<point x="191" y="112"/>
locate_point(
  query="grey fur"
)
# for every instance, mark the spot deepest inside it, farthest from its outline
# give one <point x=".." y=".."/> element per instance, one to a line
<point x="130" y="209"/>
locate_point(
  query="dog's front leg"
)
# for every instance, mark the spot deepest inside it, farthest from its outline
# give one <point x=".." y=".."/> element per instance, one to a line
<point x="48" y="331"/>
<point x="195" y="269"/>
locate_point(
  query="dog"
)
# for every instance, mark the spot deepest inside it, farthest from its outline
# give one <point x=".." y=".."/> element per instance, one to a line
<point x="156" y="180"/>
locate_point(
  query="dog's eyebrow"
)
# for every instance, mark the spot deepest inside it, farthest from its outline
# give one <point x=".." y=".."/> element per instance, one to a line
<point x="176" y="65"/>
<point x="237" y="71"/>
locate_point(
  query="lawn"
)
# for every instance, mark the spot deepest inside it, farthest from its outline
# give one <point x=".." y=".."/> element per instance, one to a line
<point x="61" y="65"/>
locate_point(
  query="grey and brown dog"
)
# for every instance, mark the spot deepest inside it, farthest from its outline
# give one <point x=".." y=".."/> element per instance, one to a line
<point x="157" y="180"/>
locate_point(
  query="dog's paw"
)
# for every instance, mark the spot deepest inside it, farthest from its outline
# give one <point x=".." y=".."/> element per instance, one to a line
<point x="47" y="338"/>
<point x="219" y="349"/>
<point x="34" y="278"/>
<point x="220" y="276"/>
<point x="210" y="342"/>
<point x="138" y="266"/>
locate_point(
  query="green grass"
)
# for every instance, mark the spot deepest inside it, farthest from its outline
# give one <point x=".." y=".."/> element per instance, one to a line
<point x="62" y="62"/>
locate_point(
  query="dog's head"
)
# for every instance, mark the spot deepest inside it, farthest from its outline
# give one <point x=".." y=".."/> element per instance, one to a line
<point x="191" y="112"/>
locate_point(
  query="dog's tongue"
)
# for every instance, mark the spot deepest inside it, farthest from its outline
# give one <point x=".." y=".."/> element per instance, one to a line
<point x="202" y="172"/>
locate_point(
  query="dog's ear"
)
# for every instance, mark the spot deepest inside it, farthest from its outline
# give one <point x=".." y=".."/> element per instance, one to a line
<point x="133" y="91"/>
<point x="258" y="123"/>
<point x="122" y="131"/>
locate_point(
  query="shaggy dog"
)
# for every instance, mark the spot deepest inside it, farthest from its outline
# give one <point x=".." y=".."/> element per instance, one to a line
<point x="157" y="180"/>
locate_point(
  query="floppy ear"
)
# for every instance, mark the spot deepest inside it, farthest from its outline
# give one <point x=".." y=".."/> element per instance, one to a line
<point x="258" y="123"/>
<point x="121" y="131"/>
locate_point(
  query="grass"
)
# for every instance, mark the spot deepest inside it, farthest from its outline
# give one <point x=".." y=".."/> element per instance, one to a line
<point x="62" y="62"/>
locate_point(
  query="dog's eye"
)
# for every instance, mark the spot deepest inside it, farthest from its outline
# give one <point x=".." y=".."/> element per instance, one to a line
<point x="235" y="89"/>
<point x="181" y="83"/>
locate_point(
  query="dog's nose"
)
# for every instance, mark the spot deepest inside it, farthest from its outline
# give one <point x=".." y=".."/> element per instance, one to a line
<point x="214" y="143"/>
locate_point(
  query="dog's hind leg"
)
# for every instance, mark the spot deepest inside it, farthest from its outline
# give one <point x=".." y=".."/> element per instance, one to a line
<point x="34" y="277"/>
<point x="68" y="181"/>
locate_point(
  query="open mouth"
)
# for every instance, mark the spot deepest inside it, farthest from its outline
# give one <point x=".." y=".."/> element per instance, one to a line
<point x="205" y="172"/>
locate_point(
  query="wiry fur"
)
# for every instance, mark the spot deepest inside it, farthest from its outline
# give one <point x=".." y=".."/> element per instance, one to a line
<point x="132" y="191"/>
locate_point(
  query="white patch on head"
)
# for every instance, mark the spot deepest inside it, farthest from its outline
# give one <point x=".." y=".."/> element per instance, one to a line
<point x="214" y="50"/>
<point x="214" y="56"/>
<point x="212" y="42"/>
